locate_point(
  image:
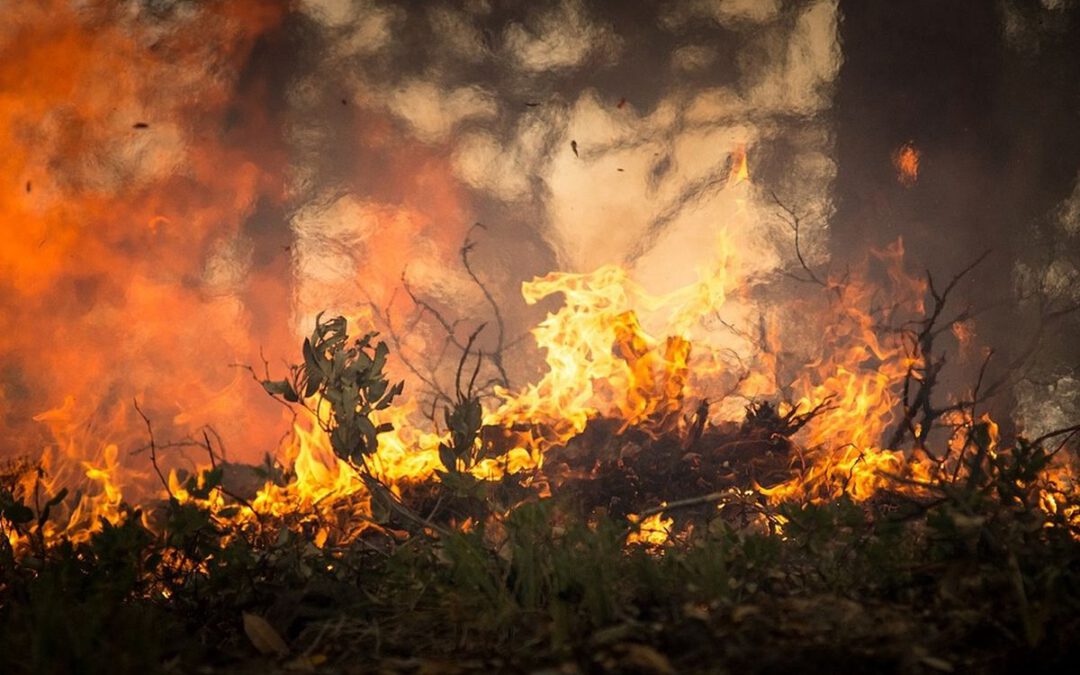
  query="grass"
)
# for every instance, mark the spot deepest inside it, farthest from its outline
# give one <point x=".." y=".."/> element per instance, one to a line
<point x="975" y="579"/>
<point x="978" y="571"/>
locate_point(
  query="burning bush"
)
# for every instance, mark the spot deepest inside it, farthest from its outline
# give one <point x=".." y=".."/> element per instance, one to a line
<point x="513" y="543"/>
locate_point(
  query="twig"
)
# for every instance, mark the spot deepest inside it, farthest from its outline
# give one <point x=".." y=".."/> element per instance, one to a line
<point x="851" y="469"/>
<point x="425" y="306"/>
<point x="429" y="380"/>
<point x="153" y="449"/>
<point x="697" y="425"/>
<point x="496" y="355"/>
<point x="379" y="491"/>
<point x="1057" y="432"/>
<point x="921" y="406"/>
<point x="461" y="365"/>
<point x="710" y="498"/>
<point x="228" y="493"/>
<point x="795" y="224"/>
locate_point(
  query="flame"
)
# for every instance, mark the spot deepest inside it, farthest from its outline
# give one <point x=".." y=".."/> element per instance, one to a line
<point x="124" y="197"/>
<point x="603" y="362"/>
<point x="856" y="380"/>
<point x="653" y="531"/>
<point x="614" y="349"/>
<point x="600" y="360"/>
<point x="906" y="161"/>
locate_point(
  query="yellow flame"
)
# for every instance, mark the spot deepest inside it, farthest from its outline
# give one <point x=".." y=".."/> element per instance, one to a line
<point x="653" y="531"/>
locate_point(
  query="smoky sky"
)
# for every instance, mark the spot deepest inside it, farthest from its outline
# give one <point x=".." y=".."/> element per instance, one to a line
<point x="579" y="134"/>
<point x="584" y="133"/>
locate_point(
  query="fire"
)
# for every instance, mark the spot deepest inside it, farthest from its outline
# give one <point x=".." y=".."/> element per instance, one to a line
<point x="123" y="205"/>
<point x="602" y="362"/>
<point x="181" y="194"/>
<point x="857" y="377"/>
<point x="906" y="161"/>
<point x="653" y="531"/>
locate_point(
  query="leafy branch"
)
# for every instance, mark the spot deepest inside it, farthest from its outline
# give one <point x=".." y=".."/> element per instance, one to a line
<point x="349" y="377"/>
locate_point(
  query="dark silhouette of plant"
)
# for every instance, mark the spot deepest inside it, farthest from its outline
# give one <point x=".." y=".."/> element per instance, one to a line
<point x="349" y="377"/>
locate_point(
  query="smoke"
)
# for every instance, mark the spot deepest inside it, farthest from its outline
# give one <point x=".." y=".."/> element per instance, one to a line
<point x="531" y="120"/>
<point x="187" y="184"/>
<point x="1048" y="396"/>
<point x="133" y="165"/>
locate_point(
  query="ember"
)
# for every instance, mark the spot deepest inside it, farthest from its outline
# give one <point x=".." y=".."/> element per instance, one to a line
<point x="906" y="160"/>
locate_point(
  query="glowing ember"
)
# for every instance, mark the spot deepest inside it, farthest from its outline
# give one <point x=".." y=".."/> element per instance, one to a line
<point x="906" y="161"/>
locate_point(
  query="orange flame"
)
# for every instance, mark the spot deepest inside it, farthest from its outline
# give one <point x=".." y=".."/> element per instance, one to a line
<point x="906" y="161"/>
<point x="613" y="350"/>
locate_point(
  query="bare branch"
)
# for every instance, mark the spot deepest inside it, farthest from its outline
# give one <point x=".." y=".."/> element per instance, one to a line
<point x="495" y="356"/>
<point x="153" y="449"/>
<point x="795" y="223"/>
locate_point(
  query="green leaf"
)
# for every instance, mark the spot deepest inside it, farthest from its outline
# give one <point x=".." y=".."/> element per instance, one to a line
<point x="377" y="390"/>
<point x="345" y="441"/>
<point x="388" y="399"/>
<point x="57" y="498"/>
<point x="212" y="478"/>
<point x="45" y="510"/>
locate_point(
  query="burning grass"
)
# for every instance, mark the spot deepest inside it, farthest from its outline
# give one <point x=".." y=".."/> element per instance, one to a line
<point x="666" y="544"/>
<point x="707" y="499"/>
<point x="760" y="469"/>
<point x="976" y="575"/>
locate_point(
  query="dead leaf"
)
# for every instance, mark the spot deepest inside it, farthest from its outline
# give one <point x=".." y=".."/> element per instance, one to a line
<point x="644" y="658"/>
<point x="263" y="636"/>
<point x="305" y="663"/>
<point x="937" y="664"/>
<point x="301" y="664"/>
<point x="620" y="632"/>
<point x="742" y="612"/>
<point x="696" y="611"/>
